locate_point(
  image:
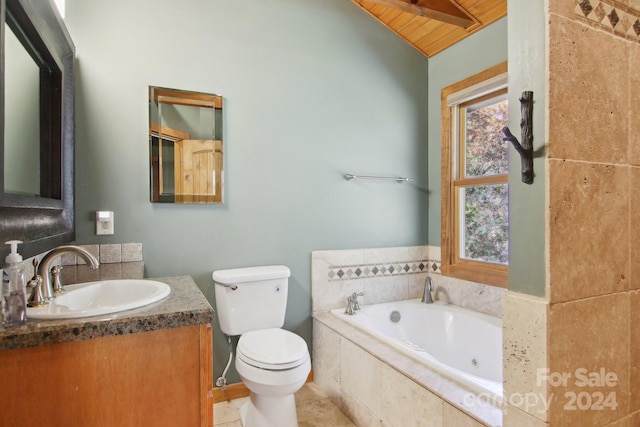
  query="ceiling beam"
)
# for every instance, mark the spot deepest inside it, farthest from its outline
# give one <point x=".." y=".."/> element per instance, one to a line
<point x="440" y="10"/>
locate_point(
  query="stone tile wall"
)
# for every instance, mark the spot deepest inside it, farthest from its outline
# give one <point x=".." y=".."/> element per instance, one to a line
<point x="593" y="164"/>
<point x="524" y="341"/>
<point x="392" y="274"/>
<point x="593" y="183"/>
<point x="106" y="254"/>
<point x="375" y="386"/>
<point x="355" y="372"/>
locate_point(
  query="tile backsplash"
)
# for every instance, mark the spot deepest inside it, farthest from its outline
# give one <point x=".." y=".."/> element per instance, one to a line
<point x="108" y="253"/>
<point x="392" y="274"/>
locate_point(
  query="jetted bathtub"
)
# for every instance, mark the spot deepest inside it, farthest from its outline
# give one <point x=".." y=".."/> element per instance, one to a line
<point x="461" y="344"/>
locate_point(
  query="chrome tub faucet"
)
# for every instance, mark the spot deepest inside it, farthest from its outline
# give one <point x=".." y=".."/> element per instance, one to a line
<point x="428" y="288"/>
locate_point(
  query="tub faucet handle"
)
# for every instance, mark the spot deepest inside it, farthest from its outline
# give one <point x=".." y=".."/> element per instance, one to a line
<point x="354" y="297"/>
<point x="352" y="303"/>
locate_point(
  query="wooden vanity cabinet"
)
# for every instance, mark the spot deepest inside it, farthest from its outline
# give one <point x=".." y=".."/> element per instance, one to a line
<point x="157" y="378"/>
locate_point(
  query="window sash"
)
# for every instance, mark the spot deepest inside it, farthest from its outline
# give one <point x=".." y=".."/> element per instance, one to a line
<point x="459" y="111"/>
<point x="461" y="226"/>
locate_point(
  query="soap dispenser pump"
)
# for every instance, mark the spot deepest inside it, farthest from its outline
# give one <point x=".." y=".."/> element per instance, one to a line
<point x="14" y="293"/>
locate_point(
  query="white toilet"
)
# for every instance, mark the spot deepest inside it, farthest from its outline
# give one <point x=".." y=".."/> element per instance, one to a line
<point x="273" y="363"/>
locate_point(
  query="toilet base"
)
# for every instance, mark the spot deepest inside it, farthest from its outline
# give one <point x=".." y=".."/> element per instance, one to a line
<point x="269" y="411"/>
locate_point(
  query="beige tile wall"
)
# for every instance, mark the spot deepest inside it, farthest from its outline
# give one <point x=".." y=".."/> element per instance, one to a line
<point x="372" y="393"/>
<point x="593" y="184"/>
<point x="524" y="341"/>
<point x="590" y="334"/>
<point x="587" y="201"/>
<point x="361" y="381"/>
<point x="329" y="291"/>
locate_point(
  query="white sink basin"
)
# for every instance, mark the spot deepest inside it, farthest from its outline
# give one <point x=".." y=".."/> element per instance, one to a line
<point x="102" y="297"/>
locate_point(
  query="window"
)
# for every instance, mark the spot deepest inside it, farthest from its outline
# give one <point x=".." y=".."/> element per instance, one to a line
<point x="475" y="164"/>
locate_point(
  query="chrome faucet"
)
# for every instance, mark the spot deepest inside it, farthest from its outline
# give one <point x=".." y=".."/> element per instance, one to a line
<point x="428" y="288"/>
<point x="352" y="303"/>
<point x="48" y="292"/>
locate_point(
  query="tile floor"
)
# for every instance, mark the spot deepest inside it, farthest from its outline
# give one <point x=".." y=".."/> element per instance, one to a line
<point x="314" y="410"/>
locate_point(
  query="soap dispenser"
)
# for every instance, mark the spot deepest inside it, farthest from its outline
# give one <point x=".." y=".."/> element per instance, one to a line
<point x="14" y="293"/>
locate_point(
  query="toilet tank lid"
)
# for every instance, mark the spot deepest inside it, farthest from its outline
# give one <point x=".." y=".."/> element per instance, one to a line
<point x="251" y="274"/>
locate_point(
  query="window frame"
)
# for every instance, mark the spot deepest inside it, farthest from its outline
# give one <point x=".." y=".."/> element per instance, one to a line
<point x="492" y="80"/>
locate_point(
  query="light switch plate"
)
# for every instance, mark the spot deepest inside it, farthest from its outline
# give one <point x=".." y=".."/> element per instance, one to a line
<point x="104" y="222"/>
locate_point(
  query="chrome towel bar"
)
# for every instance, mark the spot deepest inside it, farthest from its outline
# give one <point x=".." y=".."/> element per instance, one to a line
<point x="398" y="179"/>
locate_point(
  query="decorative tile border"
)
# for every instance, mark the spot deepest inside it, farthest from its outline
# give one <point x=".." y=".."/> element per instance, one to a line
<point x="612" y="16"/>
<point x="365" y="271"/>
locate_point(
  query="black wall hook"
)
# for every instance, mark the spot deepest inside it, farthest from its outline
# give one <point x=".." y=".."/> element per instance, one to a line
<point x="526" y="127"/>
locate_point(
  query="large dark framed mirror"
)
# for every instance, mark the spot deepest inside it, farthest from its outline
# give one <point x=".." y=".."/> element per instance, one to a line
<point x="36" y="127"/>
<point x="185" y="146"/>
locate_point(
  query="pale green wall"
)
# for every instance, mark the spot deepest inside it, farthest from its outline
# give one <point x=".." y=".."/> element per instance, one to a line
<point x="476" y="53"/>
<point x="527" y="205"/>
<point x="525" y="51"/>
<point x="312" y="90"/>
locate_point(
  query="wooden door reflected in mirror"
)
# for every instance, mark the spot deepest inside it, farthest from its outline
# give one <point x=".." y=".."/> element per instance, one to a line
<point x="185" y="146"/>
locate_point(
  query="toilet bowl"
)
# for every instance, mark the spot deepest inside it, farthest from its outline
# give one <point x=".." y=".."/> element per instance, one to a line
<point x="272" y="362"/>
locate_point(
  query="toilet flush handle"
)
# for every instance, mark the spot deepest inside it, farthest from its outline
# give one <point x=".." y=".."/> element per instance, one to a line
<point x="230" y="286"/>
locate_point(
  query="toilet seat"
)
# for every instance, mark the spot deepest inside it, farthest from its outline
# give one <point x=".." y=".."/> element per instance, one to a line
<point x="273" y="349"/>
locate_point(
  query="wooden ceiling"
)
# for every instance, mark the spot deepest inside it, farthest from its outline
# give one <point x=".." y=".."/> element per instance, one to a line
<point x="433" y="25"/>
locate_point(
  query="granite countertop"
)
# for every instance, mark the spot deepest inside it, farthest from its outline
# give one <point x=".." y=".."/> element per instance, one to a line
<point x="185" y="306"/>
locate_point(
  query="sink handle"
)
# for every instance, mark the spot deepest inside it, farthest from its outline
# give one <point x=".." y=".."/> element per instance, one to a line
<point x="36" y="299"/>
<point x="35" y="263"/>
<point x="57" y="284"/>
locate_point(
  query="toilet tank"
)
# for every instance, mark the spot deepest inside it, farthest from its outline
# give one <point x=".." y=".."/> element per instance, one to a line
<point x="251" y="298"/>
